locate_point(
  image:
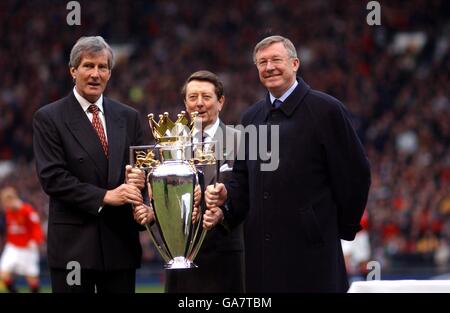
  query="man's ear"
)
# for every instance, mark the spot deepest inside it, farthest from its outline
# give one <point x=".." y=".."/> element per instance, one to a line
<point x="109" y="76"/>
<point x="221" y="103"/>
<point x="73" y="72"/>
<point x="296" y="64"/>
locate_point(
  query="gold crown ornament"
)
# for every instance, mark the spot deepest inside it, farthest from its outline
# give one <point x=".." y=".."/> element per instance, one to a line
<point x="167" y="131"/>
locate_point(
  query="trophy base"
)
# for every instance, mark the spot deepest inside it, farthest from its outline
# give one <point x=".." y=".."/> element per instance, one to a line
<point x="179" y="262"/>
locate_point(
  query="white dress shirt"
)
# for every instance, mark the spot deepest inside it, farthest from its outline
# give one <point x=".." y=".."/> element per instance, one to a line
<point x="209" y="132"/>
<point x="285" y="95"/>
<point x="85" y="105"/>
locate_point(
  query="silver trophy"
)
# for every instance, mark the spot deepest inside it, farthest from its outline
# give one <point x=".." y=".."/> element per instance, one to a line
<point x="174" y="166"/>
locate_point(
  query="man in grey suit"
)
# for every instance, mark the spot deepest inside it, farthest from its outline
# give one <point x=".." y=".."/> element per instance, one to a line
<point x="81" y="149"/>
<point x="220" y="260"/>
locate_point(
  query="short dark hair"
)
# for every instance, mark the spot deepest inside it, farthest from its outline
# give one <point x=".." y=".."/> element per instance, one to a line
<point x="204" y="76"/>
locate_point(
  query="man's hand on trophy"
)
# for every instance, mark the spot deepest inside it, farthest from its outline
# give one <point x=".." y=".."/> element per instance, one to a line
<point x="134" y="176"/>
<point x="197" y="199"/>
<point x="197" y="195"/>
<point x="215" y="195"/>
<point x="143" y="214"/>
<point x="212" y="217"/>
<point x="123" y="194"/>
<point x="195" y="214"/>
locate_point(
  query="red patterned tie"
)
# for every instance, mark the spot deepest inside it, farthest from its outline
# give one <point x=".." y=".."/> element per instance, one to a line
<point x="98" y="127"/>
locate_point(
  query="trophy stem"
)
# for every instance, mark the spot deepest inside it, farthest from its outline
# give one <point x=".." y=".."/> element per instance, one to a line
<point x="179" y="262"/>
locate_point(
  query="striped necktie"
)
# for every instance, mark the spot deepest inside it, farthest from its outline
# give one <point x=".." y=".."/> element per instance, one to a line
<point x="98" y="126"/>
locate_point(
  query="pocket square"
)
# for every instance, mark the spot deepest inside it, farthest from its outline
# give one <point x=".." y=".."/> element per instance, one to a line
<point x="225" y="168"/>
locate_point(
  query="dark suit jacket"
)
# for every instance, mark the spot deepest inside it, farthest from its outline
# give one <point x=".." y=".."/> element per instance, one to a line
<point x="220" y="260"/>
<point x="298" y="213"/>
<point x="75" y="173"/>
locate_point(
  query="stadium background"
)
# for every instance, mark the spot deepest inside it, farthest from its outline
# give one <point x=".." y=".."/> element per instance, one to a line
<point x="394" y="78"/>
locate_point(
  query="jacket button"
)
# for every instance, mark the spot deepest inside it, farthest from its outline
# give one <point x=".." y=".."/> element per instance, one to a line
<point x="265" y="195"/>
<point x="267" y="236"/>
<point x="81" y="160"/>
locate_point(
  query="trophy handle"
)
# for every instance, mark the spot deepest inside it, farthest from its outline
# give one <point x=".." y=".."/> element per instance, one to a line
<point x="162" y="251"/>
<point x="147" y="160"/>
<point x="199" y="244"/>
<point x="204" y="230"/>
<point x="192" y="245"/>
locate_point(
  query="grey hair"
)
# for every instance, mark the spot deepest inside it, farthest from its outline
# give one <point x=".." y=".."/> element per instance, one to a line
<point x="90" y="45"/>
<point x="292" y="52"/>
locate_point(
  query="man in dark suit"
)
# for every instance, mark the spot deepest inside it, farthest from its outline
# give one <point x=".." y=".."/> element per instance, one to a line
<point x="220" y="260"/>
<point x="313" y="194"/>
<point x="81" y="149"/>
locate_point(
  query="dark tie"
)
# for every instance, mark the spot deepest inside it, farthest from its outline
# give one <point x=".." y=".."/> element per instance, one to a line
<point x="204" y="136"/>
<point x="98" y="126"/>
<point x="277" y="103"/>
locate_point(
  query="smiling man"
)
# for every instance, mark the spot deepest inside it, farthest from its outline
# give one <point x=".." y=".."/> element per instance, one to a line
<point x="81" y="147"/>
<point x="297" y="213"/>
<point x="221" y="257"/>
<point x="203" y="93"/>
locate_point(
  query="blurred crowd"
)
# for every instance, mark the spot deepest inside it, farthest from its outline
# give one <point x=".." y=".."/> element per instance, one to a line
<point x="394" y="78"/>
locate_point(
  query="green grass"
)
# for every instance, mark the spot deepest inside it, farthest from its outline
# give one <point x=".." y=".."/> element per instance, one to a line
<point x="147" y="288"/>
<point x="151" y="288"/>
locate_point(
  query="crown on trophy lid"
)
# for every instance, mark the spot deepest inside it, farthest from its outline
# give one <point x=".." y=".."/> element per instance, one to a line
<point x="165" y="130"/>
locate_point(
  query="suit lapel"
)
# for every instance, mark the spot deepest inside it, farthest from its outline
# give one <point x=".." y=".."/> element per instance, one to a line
<point x="81" y="128"/>
<point x="291" y="102"/>
<point x="116" y="141"/>
<point x="295" y="98"/>
<point x="221" y="138"/>
<point x="221" y="142"/>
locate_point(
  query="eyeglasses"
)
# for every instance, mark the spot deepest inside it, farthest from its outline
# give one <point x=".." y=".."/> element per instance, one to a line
<point x="263" y="62"/>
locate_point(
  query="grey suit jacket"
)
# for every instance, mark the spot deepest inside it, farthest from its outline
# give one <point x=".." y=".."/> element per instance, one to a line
<point x="221" y="258"/>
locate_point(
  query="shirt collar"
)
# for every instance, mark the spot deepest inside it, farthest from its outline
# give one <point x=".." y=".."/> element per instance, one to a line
<point x="285" y="95"/>
<point x="85" y="104"/>
<point x="210" y="130"/>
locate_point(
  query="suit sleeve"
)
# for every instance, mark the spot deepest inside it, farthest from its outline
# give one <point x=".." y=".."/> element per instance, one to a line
<point x="138" y="141"/>
<point x="348" y="167"/>
<point x="52" y="168"/>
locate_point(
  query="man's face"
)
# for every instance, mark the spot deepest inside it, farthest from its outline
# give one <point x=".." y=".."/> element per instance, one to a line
<point x="276" y="69"/>
<point x="8" y="200"/>
<point x="8" y="203"/>
<point x="201" y="97"/>
<point x="92" y="75"/>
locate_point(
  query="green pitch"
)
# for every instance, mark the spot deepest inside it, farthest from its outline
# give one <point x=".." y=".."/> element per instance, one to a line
<point x="142" y="288"/>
